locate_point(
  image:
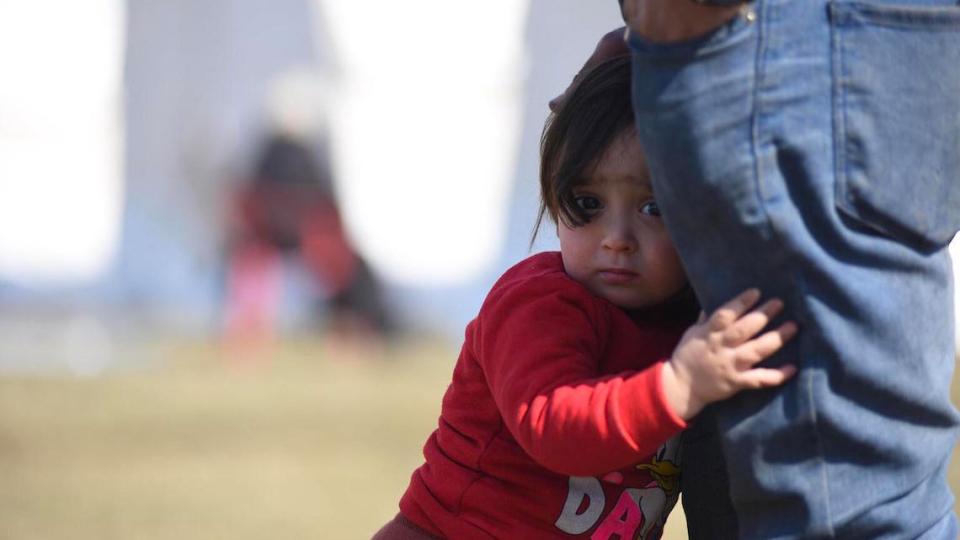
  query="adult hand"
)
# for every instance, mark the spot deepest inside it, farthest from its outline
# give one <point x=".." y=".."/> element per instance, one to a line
<point x="718" y="356"/>
<point x="667" y="21"/>
<point x="610" y="45"/>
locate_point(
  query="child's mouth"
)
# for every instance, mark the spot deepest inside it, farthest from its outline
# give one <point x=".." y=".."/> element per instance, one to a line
<point x="617" y="275"/>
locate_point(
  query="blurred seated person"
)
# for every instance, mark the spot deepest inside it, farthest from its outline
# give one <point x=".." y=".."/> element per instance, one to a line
<point x="287" y="212"/>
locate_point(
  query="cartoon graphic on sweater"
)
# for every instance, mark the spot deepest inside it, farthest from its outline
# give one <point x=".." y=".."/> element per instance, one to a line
<point x="642" y="499"/>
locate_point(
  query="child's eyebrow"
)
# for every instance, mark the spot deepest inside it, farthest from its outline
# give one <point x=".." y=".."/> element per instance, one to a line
<point x="586" y="181"/>
<point x="646" y="183"/>
<point x="641" y="179"/>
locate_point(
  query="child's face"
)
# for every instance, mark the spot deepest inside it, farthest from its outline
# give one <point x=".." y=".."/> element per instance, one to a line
<point x="624" y="253"/>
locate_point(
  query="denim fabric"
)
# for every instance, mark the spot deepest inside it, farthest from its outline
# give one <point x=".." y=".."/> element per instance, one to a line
<point x="812" y="147"/>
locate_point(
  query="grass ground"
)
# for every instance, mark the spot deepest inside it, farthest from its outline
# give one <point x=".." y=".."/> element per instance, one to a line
<point x="306" y="443"/>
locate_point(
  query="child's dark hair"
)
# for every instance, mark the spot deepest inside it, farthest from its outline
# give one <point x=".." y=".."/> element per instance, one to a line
<point x="577" y="134"/>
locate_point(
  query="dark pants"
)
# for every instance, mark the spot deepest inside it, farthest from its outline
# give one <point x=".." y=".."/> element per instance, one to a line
<point x="401" y="528"/>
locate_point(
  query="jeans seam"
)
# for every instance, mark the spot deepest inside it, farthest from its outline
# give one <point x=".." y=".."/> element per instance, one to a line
<point x="839" y="117"/>
<point x="763" y="10"/>
<point x="755" y="142"/>
<point x="839" y="179"/>
<point x="821" y="463"/>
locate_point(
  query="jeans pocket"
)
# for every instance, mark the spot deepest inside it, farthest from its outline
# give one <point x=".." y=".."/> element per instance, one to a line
<point x="896" y="72"/>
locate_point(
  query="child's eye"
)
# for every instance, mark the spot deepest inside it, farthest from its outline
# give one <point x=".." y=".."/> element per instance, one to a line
<point x="588" y="203"/>
<point x="650" y="208"/>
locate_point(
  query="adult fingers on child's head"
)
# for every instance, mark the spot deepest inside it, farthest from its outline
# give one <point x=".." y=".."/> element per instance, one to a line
<point x="613" y="43"/>
<point x="757" y="350"/>
<point x="752" y="322"/>
<point x="728" y="313"/>
<point x="610" y="45"/>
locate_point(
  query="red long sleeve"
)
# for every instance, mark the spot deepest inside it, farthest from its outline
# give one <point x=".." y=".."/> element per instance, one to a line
<point x="544" y="362"/>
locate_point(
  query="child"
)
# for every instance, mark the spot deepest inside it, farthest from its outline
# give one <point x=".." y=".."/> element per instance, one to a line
<point x="562" y="416"/>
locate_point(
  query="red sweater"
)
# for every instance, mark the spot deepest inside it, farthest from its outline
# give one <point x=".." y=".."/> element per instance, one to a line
<point x="555" y="424"/>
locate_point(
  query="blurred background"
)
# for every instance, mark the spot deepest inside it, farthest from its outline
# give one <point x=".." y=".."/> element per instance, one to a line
<point x="239" y="243"/>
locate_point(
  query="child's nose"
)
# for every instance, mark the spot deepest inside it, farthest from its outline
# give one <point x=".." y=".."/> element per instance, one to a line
<point x="619" y="237"/>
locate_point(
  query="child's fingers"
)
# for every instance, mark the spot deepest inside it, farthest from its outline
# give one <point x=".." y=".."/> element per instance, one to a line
<point x="751" y="323"/>
<point x="766" y="377"/>
<point x="762" y="347"/>
<point x="728" y="313"/>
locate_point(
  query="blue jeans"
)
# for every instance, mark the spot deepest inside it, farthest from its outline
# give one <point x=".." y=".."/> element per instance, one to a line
<point x="812" y="147"/>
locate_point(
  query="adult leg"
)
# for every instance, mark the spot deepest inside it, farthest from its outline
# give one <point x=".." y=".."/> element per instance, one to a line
<point x="812" y="147"/>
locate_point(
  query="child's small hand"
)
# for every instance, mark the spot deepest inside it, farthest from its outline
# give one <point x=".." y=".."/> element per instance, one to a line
<point x="716" y="357"/>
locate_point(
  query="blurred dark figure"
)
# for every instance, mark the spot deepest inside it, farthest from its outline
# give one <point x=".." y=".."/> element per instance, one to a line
<point x="288" y="212"/>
